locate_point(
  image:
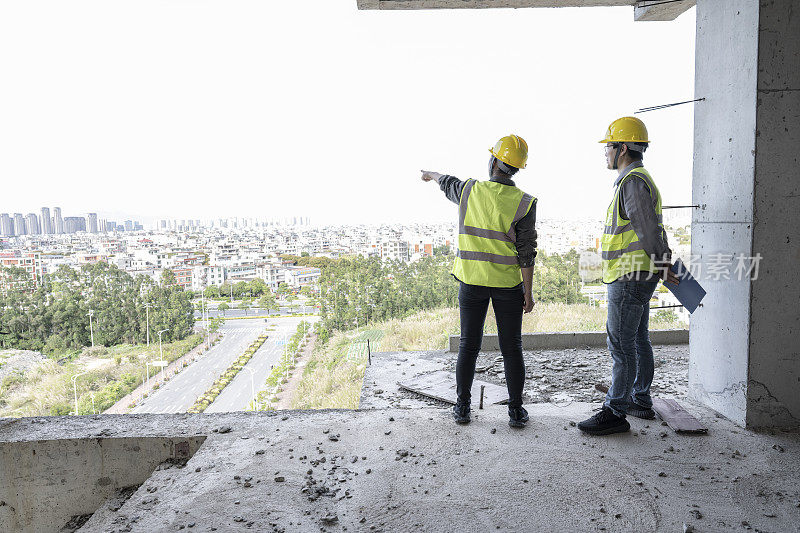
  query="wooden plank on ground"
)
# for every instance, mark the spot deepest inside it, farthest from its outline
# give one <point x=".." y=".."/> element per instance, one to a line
<point x="672" y="413"/>
<point x="441" y="385"/>
<point x="677" y="417"/>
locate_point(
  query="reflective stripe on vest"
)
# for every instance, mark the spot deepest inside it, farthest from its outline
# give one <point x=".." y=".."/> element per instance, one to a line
<point x="622" y="252"/>
<point x="488" y="212"/>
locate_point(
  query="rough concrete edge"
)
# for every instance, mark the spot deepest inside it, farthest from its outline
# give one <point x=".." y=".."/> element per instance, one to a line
<point x="561" y="340"/>
<point x="177" y="448"/>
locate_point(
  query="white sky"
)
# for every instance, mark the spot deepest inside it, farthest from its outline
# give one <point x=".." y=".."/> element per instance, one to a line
<point x="202" y="109"/>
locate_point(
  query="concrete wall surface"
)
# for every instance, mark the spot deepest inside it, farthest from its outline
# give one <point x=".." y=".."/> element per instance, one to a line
<point x="724" y="165"/>
<point x="745" y="357"/>
<point x="44" y="483"/>
<point x="556" y="341"/>
<point x="773" y="392"/>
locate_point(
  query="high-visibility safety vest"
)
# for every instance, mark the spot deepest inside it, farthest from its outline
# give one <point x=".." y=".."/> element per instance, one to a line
<point x="487" y="253"/>
<point x="621" y="249"/>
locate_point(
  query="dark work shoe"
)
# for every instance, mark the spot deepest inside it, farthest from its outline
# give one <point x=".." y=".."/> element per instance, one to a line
<point x="638" y="411"/>
<point x="517" y="417"/>
<point x="461" y="413"/>
<point x="604" y="423"/>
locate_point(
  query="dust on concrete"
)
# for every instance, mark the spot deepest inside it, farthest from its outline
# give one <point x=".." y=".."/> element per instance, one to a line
<point x="414" y="470"/>
<point x="552" y="376"/>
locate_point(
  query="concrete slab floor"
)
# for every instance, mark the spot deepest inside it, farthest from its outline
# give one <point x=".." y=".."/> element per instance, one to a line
<point x="415" y="470"/>
<point x="557" y="376"/>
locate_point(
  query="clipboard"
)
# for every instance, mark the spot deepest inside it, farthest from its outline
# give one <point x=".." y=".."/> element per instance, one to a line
<point x="688" y="292"/>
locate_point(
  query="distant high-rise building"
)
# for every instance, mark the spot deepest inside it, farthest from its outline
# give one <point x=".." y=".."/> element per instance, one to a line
<point x="74" y="224"/>
<point x="58" y="222"/>
<point x="19" y="224"/>
<point x="91" y="223"/>
<point x="162" y="224"/>
<point x="102" y="225"/>
<point x="47" y="227"/>
<point x="128" y="225"/>
<point x="32" y="221"/>
<point x="6" y="225"/>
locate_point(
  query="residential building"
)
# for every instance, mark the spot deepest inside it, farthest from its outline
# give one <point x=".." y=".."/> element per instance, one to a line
<point x="91" y="223"/>
<point x="32" y="223"/>
<point x="58" y="222"/>
<point x="183" y="277"/>
<point x="19" y="225"/>
<point x="30" y="261"/>
<point x="47" y="224"/>
<point x="6" y="225"/>
<point x="74" y="224"/>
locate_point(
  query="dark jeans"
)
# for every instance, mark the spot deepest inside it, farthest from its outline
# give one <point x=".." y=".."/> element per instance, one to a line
<point x="507" y="303"/>
<point x="629" y="344"/>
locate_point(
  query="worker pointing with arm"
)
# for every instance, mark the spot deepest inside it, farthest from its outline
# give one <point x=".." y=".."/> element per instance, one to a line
<point x="496" y="251"/>
<point x="635" y="257"/>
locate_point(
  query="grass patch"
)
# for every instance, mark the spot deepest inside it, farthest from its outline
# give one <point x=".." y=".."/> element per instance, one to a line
<point x="46" y="389"/>
<point x="332" y="379"/>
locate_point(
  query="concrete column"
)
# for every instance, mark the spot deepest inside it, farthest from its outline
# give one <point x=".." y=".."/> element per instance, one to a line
<point x="744" y="345"/>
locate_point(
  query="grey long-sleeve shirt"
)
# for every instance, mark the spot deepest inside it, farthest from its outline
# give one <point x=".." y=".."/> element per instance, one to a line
<point x="638" y="205"/>
<point x="525" y="227"/>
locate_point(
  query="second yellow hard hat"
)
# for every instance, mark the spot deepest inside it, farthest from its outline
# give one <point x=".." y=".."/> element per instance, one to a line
<point x="511" y="150"/>
<point x="626" y="130"/>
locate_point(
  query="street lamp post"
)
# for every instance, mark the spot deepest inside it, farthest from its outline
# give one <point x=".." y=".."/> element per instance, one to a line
<point x="147" y="308"/>
<point x="204" y="314"/>
<point x="252" y="387"/>
<point x="161" y="350"/>
<point x="91" y="330"/>
<point x="75" y="388"/>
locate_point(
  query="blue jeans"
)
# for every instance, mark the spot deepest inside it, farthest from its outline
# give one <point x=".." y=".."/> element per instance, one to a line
<point x="508" y="306"/>
<point x="629" y="344"/>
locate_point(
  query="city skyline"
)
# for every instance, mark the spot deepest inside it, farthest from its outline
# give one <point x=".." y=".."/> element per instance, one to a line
<point x="206" y="130"/>
<point x="15" y="224"/>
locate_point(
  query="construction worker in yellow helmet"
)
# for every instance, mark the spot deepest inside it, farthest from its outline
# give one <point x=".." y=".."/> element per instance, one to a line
<point x="635" y="256"/>
<point x="496" y="251"/>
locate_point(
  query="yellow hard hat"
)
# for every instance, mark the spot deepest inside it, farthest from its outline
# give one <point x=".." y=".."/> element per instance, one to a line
<point x="511" y="150"/>
<point x="626" y="130"/>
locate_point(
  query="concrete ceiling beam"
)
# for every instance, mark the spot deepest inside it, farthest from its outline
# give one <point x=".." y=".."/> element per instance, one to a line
<point x="644" y="10"/>
<point x="485" y="4"/>
<point x="657" y="10"/>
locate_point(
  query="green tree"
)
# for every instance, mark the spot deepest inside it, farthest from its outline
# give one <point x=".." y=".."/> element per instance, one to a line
<point x="257" y="287"/>
<point x="268" y="302"/>
<point x="223" y="307"/>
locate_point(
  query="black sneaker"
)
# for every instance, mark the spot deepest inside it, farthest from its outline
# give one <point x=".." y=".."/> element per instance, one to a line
<point x="638" y="411"/>
<point x="517" y="417"/>
<point x="604" y="423"/>
<point x="461" y="413"/>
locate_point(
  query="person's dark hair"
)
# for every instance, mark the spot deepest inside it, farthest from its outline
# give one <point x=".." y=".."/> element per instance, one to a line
<point x="498" y="166"/>
<point x="511" y="172"/>
<point x="635" y="155"/>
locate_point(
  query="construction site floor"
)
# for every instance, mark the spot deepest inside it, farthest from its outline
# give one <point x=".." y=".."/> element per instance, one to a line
<point x="415" y="470"/>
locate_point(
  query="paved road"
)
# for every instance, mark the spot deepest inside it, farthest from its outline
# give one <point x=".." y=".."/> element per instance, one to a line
<point x="239" y="393"/>
<point x="231" y="313"/>
<point x="180" y="393"/>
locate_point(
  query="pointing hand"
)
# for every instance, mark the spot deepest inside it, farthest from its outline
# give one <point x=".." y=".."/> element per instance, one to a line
<point x="428" y="175"/>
